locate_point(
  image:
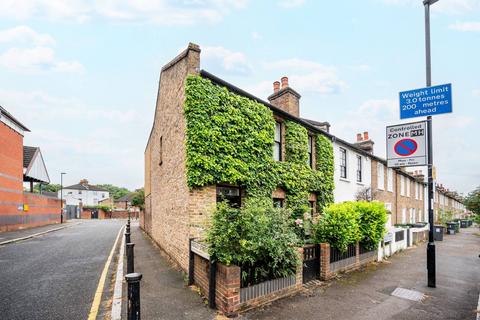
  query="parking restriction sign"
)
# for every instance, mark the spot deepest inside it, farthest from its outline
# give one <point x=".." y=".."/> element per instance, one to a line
<point x="407" y="145"/>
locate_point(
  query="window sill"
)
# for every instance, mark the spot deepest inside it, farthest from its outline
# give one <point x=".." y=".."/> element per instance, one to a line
<point x="344" y="180"/>
<point x="360" y="183"/>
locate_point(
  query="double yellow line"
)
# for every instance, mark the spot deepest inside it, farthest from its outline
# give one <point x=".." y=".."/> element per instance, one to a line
<point x="101" y="283"/>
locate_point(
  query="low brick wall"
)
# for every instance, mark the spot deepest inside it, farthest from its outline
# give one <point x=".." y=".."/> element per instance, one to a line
<point x="42" y="210"/>
<point x="227" y="287"/>
<point x="353" y="263"/>
<point x="87" y="214"/>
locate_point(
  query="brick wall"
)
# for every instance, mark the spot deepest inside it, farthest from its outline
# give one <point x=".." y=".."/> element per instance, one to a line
<point x="170" y="196"/>
<point x="11" y="179"/>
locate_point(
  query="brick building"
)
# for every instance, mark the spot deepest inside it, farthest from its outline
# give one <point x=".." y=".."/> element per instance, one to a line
<point x="173" y="212"/>
<point x="19" y="164"/>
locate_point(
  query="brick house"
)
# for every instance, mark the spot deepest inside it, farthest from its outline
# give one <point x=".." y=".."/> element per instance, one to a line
<point x="173" y="211"/>
<point x="19" y="164"/>
<point x="446" y="200"/>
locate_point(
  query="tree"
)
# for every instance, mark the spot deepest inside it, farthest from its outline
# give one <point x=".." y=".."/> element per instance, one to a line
<point x="138" y="199"/>
<point x="115" y="192"/>
<point x="52" y="187"/>
<point x="472" y="201"/>
<point x="365" y="194"/>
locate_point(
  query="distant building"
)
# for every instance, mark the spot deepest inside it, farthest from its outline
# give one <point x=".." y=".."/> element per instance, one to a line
<point x="34" y="169"/>
<point x="84" y="193"/>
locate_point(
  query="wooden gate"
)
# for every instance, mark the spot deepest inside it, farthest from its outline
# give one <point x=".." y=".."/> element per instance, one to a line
<point x="311" y="262"/>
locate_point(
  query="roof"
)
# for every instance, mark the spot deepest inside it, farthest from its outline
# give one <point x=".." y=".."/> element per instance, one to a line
<point x="34" y="168"/>
<point x="304" y="122"/>
<point x="8" y="115"/>
<point x="28" y="153"/>
<point x="125" y="198"/>
<point x="87" y="187"/>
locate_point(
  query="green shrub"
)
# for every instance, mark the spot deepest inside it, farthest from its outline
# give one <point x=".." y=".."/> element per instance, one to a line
<point x="254" y="236"/>
<point x="348" y="222"/>
<point x="338" y="226"/>
<point x="372" y="219"/>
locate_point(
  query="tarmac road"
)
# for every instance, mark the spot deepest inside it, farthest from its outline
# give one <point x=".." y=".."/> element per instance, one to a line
<point x="54" y="276"/>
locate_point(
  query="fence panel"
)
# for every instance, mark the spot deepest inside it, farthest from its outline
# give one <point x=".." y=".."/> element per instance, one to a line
<point x="264" y="288"/>
<point x="340" y="260"/>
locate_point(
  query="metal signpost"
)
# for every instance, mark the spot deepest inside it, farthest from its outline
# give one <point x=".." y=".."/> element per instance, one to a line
<point x="406" y="145"/>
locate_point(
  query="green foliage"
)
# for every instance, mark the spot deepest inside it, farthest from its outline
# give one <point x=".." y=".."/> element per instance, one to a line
<point x="230" y="140"/>
<point x="472" y="201"/>
<point x="338" y="226"/>
<point x="372" y="219"/>
<point x="348" y="222"/>
<point x="254" y="236"/>
<point x="52" y="187"/>
<point x="138" y="198"/>
<point x="115" y="192"/>
<point x="445" y="216"/>
<point x="104" y="207"/>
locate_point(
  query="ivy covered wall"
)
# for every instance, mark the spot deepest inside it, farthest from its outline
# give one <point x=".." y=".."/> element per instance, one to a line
<point x="230" y="140"/>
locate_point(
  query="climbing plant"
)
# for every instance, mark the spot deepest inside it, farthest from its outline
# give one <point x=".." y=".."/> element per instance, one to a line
<point x="230" y="140"/>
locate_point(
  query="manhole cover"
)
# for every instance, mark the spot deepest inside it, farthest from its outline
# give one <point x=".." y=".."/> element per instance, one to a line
<point x="408" y="294"/>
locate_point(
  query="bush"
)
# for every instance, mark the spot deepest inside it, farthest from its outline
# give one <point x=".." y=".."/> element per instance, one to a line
<point x="373" y="217"/>
<point x="339" y="226"/>
<point x="348" y="222"/>
<point x="254" y="237"/>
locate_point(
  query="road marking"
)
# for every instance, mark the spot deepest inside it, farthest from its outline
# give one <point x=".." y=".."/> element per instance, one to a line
<point x="101" y="283"/>
<point x="36" y="234"/>
<point x="117" y="292"/>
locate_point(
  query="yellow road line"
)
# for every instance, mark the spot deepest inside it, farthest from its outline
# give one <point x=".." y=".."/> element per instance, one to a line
<point x="101" y="283"/>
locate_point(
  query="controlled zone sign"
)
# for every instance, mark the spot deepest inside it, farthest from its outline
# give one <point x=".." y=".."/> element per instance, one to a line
<point x="407" y="145"/>
<point x="426" y="101"/>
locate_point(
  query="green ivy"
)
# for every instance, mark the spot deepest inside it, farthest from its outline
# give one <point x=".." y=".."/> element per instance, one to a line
<point x="230" y="140"/>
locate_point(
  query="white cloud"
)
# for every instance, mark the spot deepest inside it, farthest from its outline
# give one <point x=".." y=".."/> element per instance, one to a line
<point x="443" y="6"/>
<point x="164" y="12"/>
<point x="25" y="34"/>
<point x="290" y="3"/>
<point x="309" y="76"/>
<point x="471" y="26"/>
<point x="230" y="61"/>
<point x="36" y="59"/>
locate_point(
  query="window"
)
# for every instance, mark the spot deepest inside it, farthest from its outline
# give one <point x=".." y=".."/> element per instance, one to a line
<point x="404" y="215"/>
<point x="412" y="215"/>
<point x="79" y="191"/>
<point x="390" y="179"/>
<point x="408" y="187"/>
<point x="160" y="150"/>
<point x="343" y="163"/>
<point x="278" y="202"/>
<point x="103" y="195"/>
<point x="310" y="151"/>
<point x="277" y="148"/>
<point x="359" y="169"/>
<point x="402" y="185"/>
<point x="229" y="194"/>
<point x="380" y="176"/>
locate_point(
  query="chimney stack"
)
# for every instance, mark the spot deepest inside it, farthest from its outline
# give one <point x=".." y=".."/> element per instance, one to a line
<point x="276" y="86"/>
<point x="364" y="142"/>
<point x="285" y="97"/>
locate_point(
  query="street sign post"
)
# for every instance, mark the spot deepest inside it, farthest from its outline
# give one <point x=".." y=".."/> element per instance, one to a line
<point x="407" y="145"/>
<point x="426" y="101"/>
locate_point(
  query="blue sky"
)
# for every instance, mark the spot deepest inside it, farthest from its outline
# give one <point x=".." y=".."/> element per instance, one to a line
<point x="83" y="75"/>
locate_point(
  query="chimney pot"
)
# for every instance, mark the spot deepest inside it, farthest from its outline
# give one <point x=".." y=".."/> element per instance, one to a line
<point x="284" y="82"/>
<point x="359" y="137"/>
<point x="365" y="135"/>
<point x="276" y="86"/>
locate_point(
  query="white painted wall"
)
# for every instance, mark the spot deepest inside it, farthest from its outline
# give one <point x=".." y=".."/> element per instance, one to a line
<point x="87" y="197"/>
<point x="346" y="189"/>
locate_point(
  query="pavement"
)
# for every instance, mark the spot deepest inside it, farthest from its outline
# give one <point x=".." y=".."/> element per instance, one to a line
<point x="25" y="233"/>
<point x="163" y="290"/>
<point x="366" y="294"/>
<point x="55" y="275"/>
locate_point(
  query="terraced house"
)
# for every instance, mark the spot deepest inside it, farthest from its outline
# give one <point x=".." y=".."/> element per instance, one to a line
<point x="212" y="141"/>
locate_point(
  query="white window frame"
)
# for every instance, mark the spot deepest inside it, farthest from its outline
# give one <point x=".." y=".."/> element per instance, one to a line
<point x="404" y="215"/>
<point x="402" y="185"/>
<point x="390" y="179"/>
<point x="408" y="187"/>
<point x="380" y="176"/>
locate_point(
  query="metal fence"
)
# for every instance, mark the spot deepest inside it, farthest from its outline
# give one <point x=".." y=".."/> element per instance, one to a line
<point x="266" y="287"/>
<point x="366" y="254"/>
<point x="340" y="260"/>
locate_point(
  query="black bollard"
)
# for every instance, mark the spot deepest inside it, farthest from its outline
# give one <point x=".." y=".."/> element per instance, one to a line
<point x="130" y="260"/>
<point x="127" y="229"/>
<point x="127" y="237"/>
<point x="133" y="305"/>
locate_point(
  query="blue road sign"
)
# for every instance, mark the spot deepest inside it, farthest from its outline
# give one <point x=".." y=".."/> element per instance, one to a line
<point x="426" y="101"/>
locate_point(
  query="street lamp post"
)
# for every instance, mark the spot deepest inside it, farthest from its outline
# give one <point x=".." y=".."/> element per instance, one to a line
<point x="431" y="264"/>
<point x="61" y="196"/>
